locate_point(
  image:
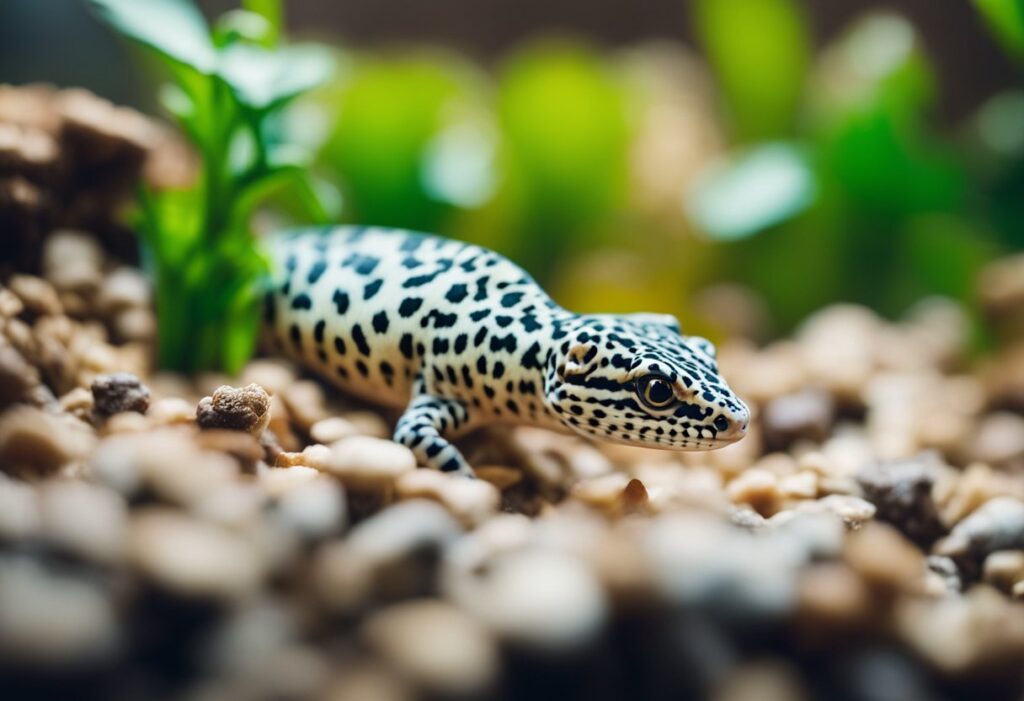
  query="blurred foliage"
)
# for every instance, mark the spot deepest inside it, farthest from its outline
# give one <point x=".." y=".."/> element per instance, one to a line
<point x="638" y="178"/>
<point x="229" y="84"/>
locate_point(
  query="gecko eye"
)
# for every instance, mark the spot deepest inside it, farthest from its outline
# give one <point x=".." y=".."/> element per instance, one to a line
<point x="655" y="391"/>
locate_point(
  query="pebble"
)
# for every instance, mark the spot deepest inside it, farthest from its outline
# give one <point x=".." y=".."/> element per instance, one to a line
<point x="902" y="492"/>
<point x="119" y="392"/>
<point x="881" y="555"/>
<point x="306" y="404"/>
<point x="439" y="648"/>
<point x="19" y="511"/>
<point x="313" y="508"/>
<point x="34" y="442"/>
<point x="997" y="525"/>
<point x="17" y="375"/>
<point x="37" y="296"/>
<point x="332" y="430"/>
<point x="805" y="415"/>
<point x="540" y="600"/>
<point x="84" y="519"/>
<point x="72" y="261"/>
<point x="756" y="487"/>
<point x="1004" y="569"/>
<point x="191" y="558"/>
<point x="53" y="621"/>
<point x="364" y="463"/>
<point x="122" y="290"/>
<point x="391" y="555"/>
<point x="469" y="501"/>
<point x="240" y="409"/>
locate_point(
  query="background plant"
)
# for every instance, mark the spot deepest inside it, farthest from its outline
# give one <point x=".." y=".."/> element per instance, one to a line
<point x="229" y="87"/>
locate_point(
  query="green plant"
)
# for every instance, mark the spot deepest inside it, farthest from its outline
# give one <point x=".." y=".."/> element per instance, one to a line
<point x="229" y="85"/>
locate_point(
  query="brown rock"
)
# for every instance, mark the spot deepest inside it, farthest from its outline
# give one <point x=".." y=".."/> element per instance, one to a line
<point x="805" y="415"/>
<point x="17" y="376"/>
<point x="239" y="409"/>
<point x="118" y="393"/>
<point x="35" y="442"/>
<point x="902" y="492"/>
<point x="37" y="295"/>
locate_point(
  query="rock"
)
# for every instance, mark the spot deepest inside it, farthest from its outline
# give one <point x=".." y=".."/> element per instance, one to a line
<point x="615" y="494"/>
<point x="122" y="290"/>
<point x="436" y="646"/>
<point x="239" y="409"/>
<point x="191" y="558"/>
<point x="832" y="595"/>
<point x="332" y="430"/>
<point x="881" y="555"/>
<point x="73" y="261"/>
<point x="363" y="463"/>
<point x="35" y="442"/>
<point x="959" y="495"/>
<point x="997" y="525"/>
<point x="391" y="555"/>
<point x="854" y="512"/>
<point x="17" y="375"/>
<point x="999" y="442"/>
<point x="314" y="508"/>
<point x="37" y="295"/>
<point x="119" y="392"/>
<point x="84" y="519"/>
<point x="243" y="447"/>
<point x="1004" y="569"/>
<point x="805" y="415"/>
<point x="306" y="403"/>
<point x="19" y="511"/>
<point x="756" y="487"/>
<point x="53" y="621"/>
<point x="171" y="411"/>
<point x="540" y="600"/>
<point x="902" y="492"/>
<point x="470" y="501"/>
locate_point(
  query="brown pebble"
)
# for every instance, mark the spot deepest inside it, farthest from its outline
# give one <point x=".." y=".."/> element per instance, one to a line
<point x="118" y="393"/>
<point x="34" y="442"/>
<point x="36" y="294"/>
<point x="239" y="409"/>
<point x="17" y="376"/>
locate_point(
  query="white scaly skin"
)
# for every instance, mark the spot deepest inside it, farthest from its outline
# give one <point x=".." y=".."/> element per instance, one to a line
<point x="459" y="337"/>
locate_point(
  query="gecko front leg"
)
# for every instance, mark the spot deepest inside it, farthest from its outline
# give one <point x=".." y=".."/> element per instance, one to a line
<point x="421" y="427"/>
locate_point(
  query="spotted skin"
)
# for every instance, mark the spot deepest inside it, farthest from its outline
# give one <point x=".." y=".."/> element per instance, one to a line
<point x="460" y="337"/>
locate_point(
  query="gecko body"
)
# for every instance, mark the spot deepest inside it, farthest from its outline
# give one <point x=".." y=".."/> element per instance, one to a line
<point x="458" y="337"/>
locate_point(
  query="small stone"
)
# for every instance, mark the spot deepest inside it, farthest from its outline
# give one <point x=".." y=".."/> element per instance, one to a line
<point x="192" y="558"/>
<point x="35" y="442"/>
<point x="436" y="646"/>
<point x="314" y="508"/>
<point x="997" y="525"/>
<point x="500" y="476"/>
<point x="540" y="600"/>
<point x="306" y="403"/>
<point x="17" y="375"/>
<point x="52" y="620"/>
<point x="883" y="557"/>
<point x="332" y="430"/>
<point x="84" y="519"/>
<point x="37" y="295"/>
<point x="171" y="411"/>
<point x="832" y="594"/>
<point x="72" y="261"/>
<point x="19" y="510"/>
<point x="470" y="501"/>
<point x="239" y="409"/>
<point x="123" y="289"/>
<point x="391" y="555"/>
<point x="78" y="402"/>
<point x="756" y="487"/>
<point x="273" y="375"/>
<point x="243" y="447"/>
<point x="999" y="442"/>
<point x="365" y="463"/>
<point x="799" y="485"/>
<point x="119" y="392"/>
<point x="279" y="481"/>
<point x="806" y="415"/>
<point x="1004" y="569"/>
<point x="902" y="492"/>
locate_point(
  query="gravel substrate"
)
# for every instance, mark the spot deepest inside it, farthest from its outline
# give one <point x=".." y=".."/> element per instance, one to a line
<point x="259" y="537"/>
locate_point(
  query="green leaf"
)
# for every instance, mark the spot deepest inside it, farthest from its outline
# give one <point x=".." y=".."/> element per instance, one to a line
<point x="1006" y="20"/>
<point x="264" y="80"/>
<point x="173" y="28"/>
<point x="752" y="191"/>
<point x="759" y="51"/>
<point x="272" y="12"/>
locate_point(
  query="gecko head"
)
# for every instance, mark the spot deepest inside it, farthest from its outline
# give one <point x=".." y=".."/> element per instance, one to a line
<point x="636" y="379"/>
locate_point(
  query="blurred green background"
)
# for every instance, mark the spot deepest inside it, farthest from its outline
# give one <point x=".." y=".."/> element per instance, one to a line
<point x="739" y="163"/>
